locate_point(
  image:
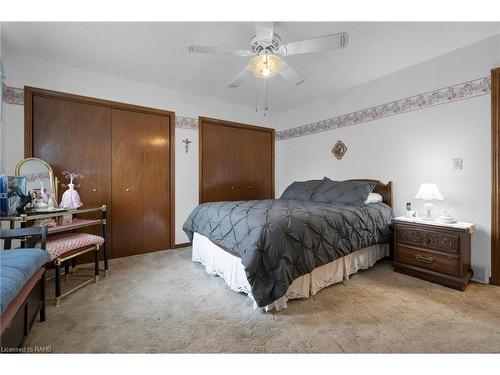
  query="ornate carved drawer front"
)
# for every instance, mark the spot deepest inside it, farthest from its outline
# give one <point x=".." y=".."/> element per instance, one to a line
<point x="430" y="240"/>
<point x="448" y="264"/>
<point x="409" y="236"/>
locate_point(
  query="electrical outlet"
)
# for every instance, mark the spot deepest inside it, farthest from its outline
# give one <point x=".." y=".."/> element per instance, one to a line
<point x="458" y="163"/>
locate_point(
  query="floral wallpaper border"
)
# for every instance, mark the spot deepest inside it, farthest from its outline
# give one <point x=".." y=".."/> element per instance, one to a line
<point x="186" y="123"/>
<point x="461" y="91"/>
<point x="12" y="95"/>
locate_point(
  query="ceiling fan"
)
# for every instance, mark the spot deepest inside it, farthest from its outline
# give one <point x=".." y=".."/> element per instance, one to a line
<point x="266" y="46"/>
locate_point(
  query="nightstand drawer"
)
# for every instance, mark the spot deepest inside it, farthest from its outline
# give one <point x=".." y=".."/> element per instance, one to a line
<point x="448" y="264"/>
<point x="434" y="240"/>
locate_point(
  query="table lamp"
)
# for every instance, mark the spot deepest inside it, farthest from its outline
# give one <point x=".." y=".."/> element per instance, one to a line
<point x="428" y="192"/>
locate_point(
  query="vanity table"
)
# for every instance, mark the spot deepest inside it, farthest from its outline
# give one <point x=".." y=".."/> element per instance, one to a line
<point x="25" y="220"/>
<point x="63" y="248"/>
<point x="67" y="238"/>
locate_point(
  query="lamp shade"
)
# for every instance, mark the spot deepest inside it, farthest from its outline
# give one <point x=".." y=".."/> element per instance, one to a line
<point x="429" y="192"/>
<point x="265" y="65"/>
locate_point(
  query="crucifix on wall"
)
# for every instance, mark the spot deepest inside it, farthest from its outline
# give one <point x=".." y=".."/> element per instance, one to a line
<point x="187" y="142"/>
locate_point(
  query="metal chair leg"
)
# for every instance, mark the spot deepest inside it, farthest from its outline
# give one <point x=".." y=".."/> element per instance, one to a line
<point x="42" y="292"/>
<point x="106" y="265"/>
<point x="66" y="270"/>
<point x="105" y="244"/>
<point x="58" y="281"/>
<point x="96" y="264"/>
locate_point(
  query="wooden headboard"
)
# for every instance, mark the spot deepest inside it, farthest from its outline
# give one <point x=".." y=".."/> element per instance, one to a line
<point x="385" y="190"/>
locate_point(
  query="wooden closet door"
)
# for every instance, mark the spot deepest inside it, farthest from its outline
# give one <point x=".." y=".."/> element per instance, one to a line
<point x="53" y="126"/>
<point x="116" y="146"/>
<point x="236" y="161"/>
<point x="156" y="185"/>
<point x="231" y="163"/>
<point x="141" y="182"/>
<point x="92" y="153"/>
<point x="221" y="179"/>
<point x="211" y="172"/>
<point x="256" y="165"/>
<point x="127" y="180"/>
<point x="75" y="137"/>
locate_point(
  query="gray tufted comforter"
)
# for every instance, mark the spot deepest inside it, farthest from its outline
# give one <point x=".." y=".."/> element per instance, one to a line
<point x="279" y="240"/>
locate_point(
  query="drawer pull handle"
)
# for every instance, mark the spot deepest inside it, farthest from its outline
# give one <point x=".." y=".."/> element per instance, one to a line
<point x="424" y="259"/>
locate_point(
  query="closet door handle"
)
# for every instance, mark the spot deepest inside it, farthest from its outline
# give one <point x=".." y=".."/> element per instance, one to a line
<point x="249" y="186"/>
<point x="232" y="186"/>
<point x="127" y="190"/>
<point x="94" y="190"/>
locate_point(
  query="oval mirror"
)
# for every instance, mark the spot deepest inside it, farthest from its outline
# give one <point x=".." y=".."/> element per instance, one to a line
<point x="39" y="176"/>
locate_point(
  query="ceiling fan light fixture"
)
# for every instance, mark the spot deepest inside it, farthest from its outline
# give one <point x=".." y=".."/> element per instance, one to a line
<point x="266" y="65"/>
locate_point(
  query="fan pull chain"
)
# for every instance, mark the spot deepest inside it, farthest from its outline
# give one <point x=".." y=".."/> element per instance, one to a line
<point x="256" y="98"/>
<point x="266" y="107"/>
<point x="265" y="97"/>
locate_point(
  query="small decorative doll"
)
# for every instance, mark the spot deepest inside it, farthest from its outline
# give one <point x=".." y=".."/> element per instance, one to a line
<point x="70" y="198"/>
<point x="43" y="192"/>
<point x="52" y="201"/>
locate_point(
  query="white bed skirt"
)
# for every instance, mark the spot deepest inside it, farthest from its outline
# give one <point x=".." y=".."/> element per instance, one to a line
<point x="221" y="263"/>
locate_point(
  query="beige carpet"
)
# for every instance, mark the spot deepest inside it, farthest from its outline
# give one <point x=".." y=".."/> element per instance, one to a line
<point x="162" y="302"/>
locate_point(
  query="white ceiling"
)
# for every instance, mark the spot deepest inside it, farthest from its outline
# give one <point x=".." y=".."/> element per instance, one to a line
<point x="155" y="53"/>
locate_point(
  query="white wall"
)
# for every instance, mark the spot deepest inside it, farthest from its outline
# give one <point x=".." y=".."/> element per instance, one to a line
<point x="25" y="71"/>
<point x="409" y="148"/>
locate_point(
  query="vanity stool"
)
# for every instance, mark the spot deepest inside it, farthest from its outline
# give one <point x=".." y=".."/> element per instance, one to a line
<point x="64" y="247"/>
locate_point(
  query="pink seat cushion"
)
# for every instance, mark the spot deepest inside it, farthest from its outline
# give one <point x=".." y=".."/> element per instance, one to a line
<point x="59" y="245"/>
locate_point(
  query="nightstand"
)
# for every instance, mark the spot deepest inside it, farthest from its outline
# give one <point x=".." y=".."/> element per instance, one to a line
<point x="432" y="251"/>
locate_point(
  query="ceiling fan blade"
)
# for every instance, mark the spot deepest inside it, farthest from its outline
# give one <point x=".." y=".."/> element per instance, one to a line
<point x="264" y="31"/>
<point x="218" y="50"/>
<point x="291" y="74"/>
<point x="322" y="43"/>
<point x="243" y="75"/>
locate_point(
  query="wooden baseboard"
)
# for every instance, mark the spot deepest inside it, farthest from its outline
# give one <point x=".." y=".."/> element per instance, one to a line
<point x="181" y="245"/>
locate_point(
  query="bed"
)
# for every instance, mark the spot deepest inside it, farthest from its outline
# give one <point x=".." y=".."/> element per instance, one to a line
<point x="318" y="233"/>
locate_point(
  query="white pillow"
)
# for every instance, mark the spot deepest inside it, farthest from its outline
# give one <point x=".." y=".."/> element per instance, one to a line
<point x="374" y="198"/>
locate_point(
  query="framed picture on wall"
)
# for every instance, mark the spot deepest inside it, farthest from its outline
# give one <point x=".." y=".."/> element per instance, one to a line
<point x="339" y="149"/>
